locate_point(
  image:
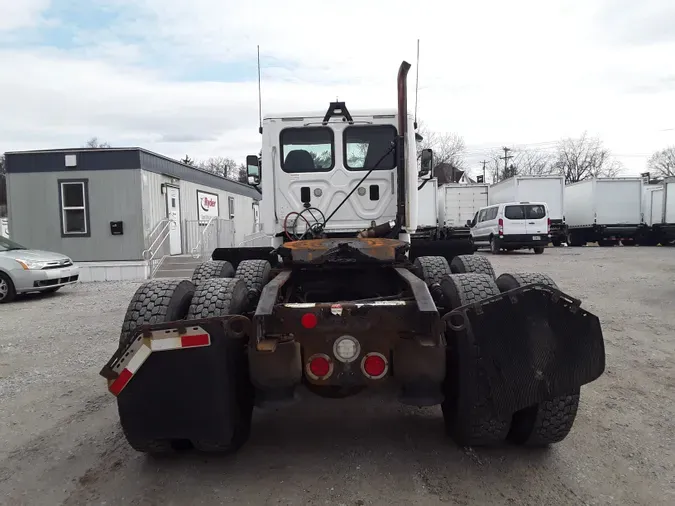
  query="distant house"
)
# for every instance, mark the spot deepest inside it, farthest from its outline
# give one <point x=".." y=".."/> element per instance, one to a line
<point x="448" y="173"/>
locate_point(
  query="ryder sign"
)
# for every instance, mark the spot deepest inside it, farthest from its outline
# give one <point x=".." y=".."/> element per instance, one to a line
<point x="207" y="205"/>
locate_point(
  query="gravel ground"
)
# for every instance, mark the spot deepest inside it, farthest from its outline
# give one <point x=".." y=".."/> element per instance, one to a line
<point x="60" y="441"/>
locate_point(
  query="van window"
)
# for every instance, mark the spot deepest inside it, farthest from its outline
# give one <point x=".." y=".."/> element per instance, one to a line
<point x="535" y="212"/>
<point x="481" y="215"/>
<point x="492" y="213"/>
<point x="514" y="213"/>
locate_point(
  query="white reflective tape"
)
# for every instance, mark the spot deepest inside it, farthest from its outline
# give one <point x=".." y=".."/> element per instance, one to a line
<point x="138" y="358"/>
<point x="167" y="343"/>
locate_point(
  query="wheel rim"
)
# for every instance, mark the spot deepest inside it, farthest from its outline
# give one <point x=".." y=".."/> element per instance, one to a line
<point x="4" y="289"/>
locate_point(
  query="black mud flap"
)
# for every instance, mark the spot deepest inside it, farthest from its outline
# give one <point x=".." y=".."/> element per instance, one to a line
<point x="536" y="343"/>
<point x="189" y="393"/>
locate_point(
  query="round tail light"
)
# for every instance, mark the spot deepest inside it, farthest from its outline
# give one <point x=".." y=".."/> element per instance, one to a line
<point x="319" y="366"/>
<point x="374" y="365"/>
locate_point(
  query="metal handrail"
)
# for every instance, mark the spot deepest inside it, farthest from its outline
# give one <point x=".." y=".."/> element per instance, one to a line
<point x="167" y="224"/>
<point x="200" y="243"/>
<point x="254" y="237"/>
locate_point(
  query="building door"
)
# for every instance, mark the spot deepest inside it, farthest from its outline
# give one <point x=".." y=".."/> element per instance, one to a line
<point x="173" y="213"/>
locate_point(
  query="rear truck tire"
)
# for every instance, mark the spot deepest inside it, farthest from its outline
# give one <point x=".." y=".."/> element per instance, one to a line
<point x="494" y="245"/>
<point x="212" y="269"/>
<point x="156" y="301"/>
<point x="477" y="264"/>
<point x="556" y="242"/>
<point x="7" y="290"/>
<point x="220" y="297"/>
<point x="467" y="408"/>
<point x="575" y="239"/>
<point x="431" y="269"/>
<point x="538" y="251"/>
<point x="549" y="421"/>
<point x="255" y="274"/>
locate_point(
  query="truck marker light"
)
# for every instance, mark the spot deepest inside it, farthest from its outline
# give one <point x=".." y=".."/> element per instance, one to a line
<point x="309" y="320"/>
<point x="346" y="349"/>
<point x="319" y="366"/>
<point x="374" y="365"/>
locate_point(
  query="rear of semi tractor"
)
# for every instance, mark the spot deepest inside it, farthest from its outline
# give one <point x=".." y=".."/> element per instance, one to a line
<point x="335" y="305"/>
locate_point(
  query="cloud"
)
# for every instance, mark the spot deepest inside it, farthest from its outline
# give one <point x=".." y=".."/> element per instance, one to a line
<point x="181" y="78"/>
<point x="17" y="14"/>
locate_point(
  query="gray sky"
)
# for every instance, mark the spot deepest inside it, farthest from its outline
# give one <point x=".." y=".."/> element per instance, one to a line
<point x="180" y="77"/>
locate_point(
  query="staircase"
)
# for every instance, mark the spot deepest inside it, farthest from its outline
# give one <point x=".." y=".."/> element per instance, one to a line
<point x="179" y="266"/>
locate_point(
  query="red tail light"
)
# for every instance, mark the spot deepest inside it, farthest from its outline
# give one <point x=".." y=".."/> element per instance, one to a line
<point x="374" y="365"/>
<point x="549" y="226"/>
<point x="319" y="366"/>
<point x="501" y="226"/>
<point x="309" y="320"/>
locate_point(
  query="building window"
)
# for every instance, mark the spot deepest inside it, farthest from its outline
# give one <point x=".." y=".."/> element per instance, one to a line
<point x="74" y="202"/>
<point x="230" y="206"/>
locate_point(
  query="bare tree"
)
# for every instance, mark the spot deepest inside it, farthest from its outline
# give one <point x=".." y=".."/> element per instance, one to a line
<point x="583" y="158"/>
<point x="220" y="166"/>
<point x="94" y="143"/>
<point x="533" y="162"/>
<point x="188" y="161"/>
<point x="662" y="162"/>
<point x="448" y="148"/>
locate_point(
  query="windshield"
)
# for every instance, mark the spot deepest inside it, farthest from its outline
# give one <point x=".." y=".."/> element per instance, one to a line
<point x="307" y="149"/>
<point x="7" y="245"/>
<point x="365" y="146"/>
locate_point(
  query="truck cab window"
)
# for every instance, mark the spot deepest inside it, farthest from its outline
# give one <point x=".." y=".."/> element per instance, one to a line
<point x="307" y="149"/>
<point x="364" y="146"/>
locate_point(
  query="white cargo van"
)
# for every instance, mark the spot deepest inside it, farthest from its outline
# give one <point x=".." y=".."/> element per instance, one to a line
<point x="512" y="225"/>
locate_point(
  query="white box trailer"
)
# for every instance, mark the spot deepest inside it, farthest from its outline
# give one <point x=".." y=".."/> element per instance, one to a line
<point x="549" y="189"/>
<point x="605" y="210"/>
<point x="658" y="211"/>
<point x="427" y="208"/>
<point x="458" y="203"/>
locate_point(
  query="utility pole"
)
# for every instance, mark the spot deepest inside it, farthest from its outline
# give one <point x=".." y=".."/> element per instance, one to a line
<point x="506" y="158"/>
<point x="484" y="162"/>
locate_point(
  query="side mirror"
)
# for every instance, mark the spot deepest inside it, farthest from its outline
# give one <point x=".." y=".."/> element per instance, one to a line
<point x="426" y="162"/>
<point x="253" y="169"/>
<point x="469" y="223"/>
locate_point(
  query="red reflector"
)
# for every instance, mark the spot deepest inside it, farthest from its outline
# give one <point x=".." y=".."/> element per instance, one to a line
<point x="374" y="365"/>
<point x="196" y="340"/>
<point x="319" y="366"/>
<point x="121" y="381"/>
<point x="309" y="321"/>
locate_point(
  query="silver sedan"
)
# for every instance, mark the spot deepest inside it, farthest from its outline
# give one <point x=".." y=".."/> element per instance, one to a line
<point x="24" y="270"/>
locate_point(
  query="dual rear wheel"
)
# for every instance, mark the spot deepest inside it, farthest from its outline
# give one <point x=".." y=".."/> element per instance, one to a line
<point x="216" y="289"/>
<point x="467" y="408"/>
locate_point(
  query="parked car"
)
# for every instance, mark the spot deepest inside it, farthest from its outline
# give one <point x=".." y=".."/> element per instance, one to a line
<point x="24" y="270"/>
<point x="512" y="225"/>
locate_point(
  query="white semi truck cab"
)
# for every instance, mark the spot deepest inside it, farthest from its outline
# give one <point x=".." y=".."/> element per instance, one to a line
<point x="335" y="172"/>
